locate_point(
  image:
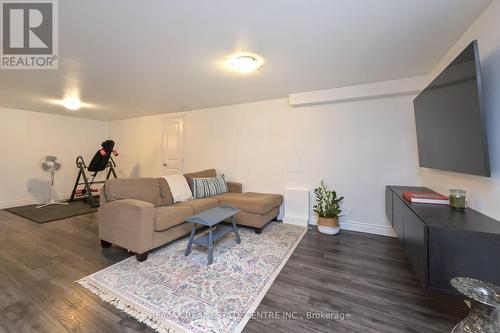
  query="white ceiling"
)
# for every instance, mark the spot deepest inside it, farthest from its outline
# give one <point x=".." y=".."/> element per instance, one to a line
<point x="133" y="58"/>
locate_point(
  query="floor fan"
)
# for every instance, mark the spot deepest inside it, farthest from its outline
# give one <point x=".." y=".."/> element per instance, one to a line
<point x="50" y="164"/>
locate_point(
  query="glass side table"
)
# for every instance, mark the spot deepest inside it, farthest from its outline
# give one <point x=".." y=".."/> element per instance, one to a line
<point x="484" y="301"/>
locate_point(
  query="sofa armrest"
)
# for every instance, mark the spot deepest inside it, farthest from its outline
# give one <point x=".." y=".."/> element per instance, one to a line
<point x="234" y="187"/>
<point x="128" y="223"/>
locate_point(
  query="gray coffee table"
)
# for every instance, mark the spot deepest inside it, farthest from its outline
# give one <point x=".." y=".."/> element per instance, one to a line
<point x="211" y="218"/>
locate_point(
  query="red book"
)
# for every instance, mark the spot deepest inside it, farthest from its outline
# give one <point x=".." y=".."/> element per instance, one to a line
<point x="426" y="197"/>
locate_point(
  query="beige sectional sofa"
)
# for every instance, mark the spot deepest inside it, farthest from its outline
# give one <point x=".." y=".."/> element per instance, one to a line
<point x="139" y="214"/>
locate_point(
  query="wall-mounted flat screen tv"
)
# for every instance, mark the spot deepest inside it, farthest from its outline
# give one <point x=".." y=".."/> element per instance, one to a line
<point x="449" y="117"/>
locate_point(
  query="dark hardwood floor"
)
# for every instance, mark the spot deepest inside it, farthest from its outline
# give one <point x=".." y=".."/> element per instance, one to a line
<point x="363" y="276"/>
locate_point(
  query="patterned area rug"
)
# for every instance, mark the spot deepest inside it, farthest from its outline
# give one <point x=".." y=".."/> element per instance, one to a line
<point x="174" y="293"/>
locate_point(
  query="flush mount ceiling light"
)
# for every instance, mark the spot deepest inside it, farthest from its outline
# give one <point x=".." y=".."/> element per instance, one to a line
<point x="71" y="102"/>
<point x="245" y="62"/>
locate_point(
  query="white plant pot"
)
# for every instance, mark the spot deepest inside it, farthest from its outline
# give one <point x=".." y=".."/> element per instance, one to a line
<point x="328" y="230"/>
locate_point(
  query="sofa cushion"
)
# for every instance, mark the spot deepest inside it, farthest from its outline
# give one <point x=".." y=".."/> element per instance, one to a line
<point x="250" y="202"/>
<point x="200" y="205"/>
<point x="200" y="174"/>
<point x="165" y="194"/>
<point x="171" y="216"/>
<point x="208" y="187"/>
<point x="144" y="189"/>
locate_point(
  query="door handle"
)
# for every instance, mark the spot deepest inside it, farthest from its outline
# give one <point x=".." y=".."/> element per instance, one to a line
<point x="164" y="164"/>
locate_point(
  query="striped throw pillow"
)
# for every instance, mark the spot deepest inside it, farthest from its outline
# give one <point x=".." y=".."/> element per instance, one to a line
<point x="207" y="187"/>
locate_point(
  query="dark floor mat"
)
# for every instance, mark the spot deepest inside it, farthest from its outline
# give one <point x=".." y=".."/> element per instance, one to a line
<point x="52" y="213"/>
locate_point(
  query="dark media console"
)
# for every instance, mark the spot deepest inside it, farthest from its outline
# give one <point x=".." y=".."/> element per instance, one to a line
<point x="442" y="243"/>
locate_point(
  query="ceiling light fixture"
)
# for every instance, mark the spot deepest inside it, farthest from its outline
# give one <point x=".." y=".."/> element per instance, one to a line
<point x="245" y="62"/>
<point x="72" y="103"/>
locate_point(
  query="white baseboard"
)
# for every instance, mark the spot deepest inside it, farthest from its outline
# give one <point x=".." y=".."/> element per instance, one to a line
<point x="300" y="221"/>
<point x="30" y="201"/>
<point x="362" y="227"/>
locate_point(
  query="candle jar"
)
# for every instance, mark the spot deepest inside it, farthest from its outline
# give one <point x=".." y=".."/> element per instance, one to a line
<point x="458" y="199"/>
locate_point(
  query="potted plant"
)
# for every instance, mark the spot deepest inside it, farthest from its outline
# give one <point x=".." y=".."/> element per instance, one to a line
<point x="327" y="208"/>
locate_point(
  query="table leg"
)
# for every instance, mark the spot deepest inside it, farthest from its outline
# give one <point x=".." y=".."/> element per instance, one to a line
<point x="188" y="248"/>
<point x="210" y="246"/>
<point x="235" y="229"/>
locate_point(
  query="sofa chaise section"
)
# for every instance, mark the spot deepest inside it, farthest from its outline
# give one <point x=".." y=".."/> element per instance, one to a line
<point x="256" y="209"/>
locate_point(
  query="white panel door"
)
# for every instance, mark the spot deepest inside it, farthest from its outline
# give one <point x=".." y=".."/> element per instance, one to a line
<point x="173" y="146"/>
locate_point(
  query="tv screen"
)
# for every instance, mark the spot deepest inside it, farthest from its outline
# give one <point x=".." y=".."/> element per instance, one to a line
<point x="449" y="118"/>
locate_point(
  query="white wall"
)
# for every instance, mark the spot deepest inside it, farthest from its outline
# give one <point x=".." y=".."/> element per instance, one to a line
<point x="358" y="147"/>
<point x="27" y="136"/>
<point x="483" y="193"/>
